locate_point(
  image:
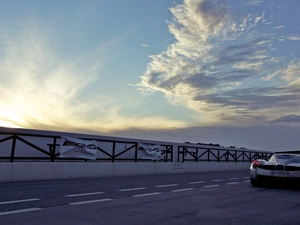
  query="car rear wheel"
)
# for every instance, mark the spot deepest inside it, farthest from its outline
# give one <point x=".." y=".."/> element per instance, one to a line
<point x="256" y="183"/>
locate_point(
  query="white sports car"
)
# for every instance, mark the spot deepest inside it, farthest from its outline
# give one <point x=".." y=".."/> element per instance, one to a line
<point x="281" y="167"/>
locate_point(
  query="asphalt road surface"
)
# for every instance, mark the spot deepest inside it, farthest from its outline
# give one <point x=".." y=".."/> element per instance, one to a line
<point x="192" y="198"/>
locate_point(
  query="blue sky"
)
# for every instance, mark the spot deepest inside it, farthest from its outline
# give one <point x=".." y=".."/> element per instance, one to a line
<point x="223" y="72"/>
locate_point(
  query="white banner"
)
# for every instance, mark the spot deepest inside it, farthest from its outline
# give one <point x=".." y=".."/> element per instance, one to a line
<point x="149" y="151"/>
<point x="78" y="148"/>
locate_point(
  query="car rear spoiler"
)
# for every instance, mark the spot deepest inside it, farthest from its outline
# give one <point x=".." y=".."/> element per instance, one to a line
<point x="289" y="152"/>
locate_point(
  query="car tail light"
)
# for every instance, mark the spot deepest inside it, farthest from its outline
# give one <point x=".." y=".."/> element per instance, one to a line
<point x="256" y="163"/>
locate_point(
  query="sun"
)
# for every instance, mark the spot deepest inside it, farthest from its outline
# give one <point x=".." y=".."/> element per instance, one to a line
<point x="8" y="124"/>
<point x="10" y="117"/>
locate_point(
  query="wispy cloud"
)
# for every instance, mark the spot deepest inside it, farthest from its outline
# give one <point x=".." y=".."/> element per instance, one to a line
<point x="294" y="38"/>
<point x="39" y="86"/>
<point x="217" y="64"/>
<point x="277" y="27"/>
<point x="254" y="2"/>
<point x="145" y="45"/>
<point x="288" y="119"/>
<point x="40" y="89"/>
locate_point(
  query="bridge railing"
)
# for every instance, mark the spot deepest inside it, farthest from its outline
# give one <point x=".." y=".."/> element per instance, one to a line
<point x="44" y="146"/>
<point x="32" y="147"/>
<point x="218" y="154"/>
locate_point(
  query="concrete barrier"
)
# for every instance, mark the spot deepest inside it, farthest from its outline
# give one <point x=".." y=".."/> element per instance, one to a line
<point x="24" y="171"/>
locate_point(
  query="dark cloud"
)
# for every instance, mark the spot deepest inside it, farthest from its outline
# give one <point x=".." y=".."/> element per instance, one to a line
<point x="235" y="75"/>
<point x="212" y="11"/>
<point x="288" y="119"/>
<point x="250" y="99"/>
<point x="200" y="81"/>
<point x="154" y="79"/>
<point x="171" y="83"/>
<point x="246" y="45"/>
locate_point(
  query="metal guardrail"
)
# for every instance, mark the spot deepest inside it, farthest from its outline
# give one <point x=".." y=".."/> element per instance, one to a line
<point x="41" y="147"/>
<point x="113" y="150"/>
<point x="216" y="154"/>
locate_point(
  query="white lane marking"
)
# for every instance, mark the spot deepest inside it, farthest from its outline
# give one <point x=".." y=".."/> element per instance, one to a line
<point x="246" y="177"/>
<point x="147" y="194"/>
<point x="233" y="183"/>
<point x="217" y="180"/>
<point x="133" y="189"/>
<point x="210" y="186"/>
<point x="246" y="181"/>
<point x="19" y="211"/>
<point x="84" y="194"/>
<point x="185" y="189"/>
<point x="17" y="201"/>
<point x="196" y="182"/>
<point x="166" y="185"/>
<point x="90" y="201"/>
<point x="233" y="178"/>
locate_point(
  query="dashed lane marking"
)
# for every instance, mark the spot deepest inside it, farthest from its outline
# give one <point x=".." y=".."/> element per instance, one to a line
<point x="147" y="194"/>
<point x="218" y="180"/>
<point x="166" y="185"/>
<point x="84" y="194"/>
<point x="184" y="189"/>
<point x="196" y="182"/>
<point x="210" y="186"/>
<point x="233" y="178"/>
<point x="247" y="181"/>
<point x="18" y="201"/>
<point x="90" y="201"/>
<point x="233" y="183"/>
<point x="133" y="189"/>
<point x="19" y="211"/>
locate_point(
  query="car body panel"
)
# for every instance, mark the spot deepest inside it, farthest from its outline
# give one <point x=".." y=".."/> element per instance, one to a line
<point x="281" y="167"/>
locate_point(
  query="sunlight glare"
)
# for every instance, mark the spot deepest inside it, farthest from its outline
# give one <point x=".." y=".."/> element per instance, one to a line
<point x="10" y="117"/>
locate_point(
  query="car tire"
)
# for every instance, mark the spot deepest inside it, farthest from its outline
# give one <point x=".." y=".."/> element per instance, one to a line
<point x="255" y="183"/>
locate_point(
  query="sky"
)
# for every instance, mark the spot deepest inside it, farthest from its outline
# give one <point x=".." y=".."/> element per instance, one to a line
<point x="201" y="71"/>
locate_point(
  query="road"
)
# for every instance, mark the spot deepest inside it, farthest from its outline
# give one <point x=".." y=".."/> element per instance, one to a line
<point x="192" y="198"/>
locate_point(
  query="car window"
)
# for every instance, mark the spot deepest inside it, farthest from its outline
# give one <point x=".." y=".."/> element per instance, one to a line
<point x="283" y="158"/>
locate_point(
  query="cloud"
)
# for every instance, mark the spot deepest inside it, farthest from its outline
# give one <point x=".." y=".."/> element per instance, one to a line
<point x="145" y="45"/>
<point x="254" y="2"/>
<point x="277" y="27"/>
<point x="38" y="86"/>
<point x="44" y="89"/>
<point x="288" y="119"/>
<point x="220" y="66"/>
<point x="294" y="38"/>
<point x="291" y="75"/>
